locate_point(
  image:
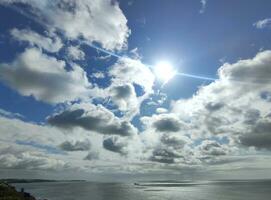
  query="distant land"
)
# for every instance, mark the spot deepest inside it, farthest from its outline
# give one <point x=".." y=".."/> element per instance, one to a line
<point x="15" y="180"/>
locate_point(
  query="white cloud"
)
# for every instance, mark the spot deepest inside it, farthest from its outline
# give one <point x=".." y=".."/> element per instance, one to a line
<point x="161" y="110"/>
<point x="99" y="21"/>
<point x="98" y="75"/>
<point x="10" y="114"/>
<point x="44" y="77"/>
<point x="135" y="54"/>
<point x="12" y="130"/>
<point x="75" y="53"/>
<point x="125" y="73"/>
<point x="53" y="44"/>
<point x="234" y="105"/>
<point x="203" y="6"/>
<point x="265" y="23"/>
<point x="128" y="70"/>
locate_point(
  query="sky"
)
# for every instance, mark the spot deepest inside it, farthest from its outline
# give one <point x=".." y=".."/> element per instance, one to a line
<point x="134" y="89"/>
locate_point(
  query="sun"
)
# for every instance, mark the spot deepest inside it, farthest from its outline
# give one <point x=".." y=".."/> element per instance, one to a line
<point x="164" y="71"/>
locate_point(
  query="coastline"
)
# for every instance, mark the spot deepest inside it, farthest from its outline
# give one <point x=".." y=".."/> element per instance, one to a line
<point x="8" y="191"/>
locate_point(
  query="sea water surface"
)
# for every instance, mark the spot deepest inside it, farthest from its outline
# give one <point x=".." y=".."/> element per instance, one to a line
<point x="204" y="190"/>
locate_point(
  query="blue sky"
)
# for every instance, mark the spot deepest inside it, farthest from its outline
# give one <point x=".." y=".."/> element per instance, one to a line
<point x="86" y="71"/>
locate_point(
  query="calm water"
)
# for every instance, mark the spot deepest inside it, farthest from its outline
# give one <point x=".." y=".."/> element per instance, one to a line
<point x="245" y="190"/>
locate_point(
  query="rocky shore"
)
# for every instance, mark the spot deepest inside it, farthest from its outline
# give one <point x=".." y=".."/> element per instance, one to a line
<point x="8" y="192"/>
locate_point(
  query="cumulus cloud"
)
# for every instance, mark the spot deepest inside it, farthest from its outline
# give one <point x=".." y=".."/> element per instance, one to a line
<point x="125" y="74"/>
<point x="173" y="148"/>
<point x="163" y="122"/>
<point x="44" y="77"/>
<point x="75" y="146"/>
<point x="174" y="140"/>
<point x="124" y="97"/>
<point x="164" y="156"/>
<point x="92" y="118"/>
<point x="249" y="72"/>
<point x="99" y="21"/>
<point x="213" y="148"/>
<point x="258" y="136"/>
<point x="128" y="70"/>
<point x="233" y="105"/>
<point x="167" y="124"/>
<point x="115" y="144"/>
<point x="51" y="44"/>
<point x="123" y="91"/>
<point x="265" y="23"/>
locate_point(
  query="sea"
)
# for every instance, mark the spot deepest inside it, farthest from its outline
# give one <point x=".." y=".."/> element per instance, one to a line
<point x="188" y="190"/>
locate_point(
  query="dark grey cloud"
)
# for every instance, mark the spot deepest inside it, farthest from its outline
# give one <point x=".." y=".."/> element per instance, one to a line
<point x="124" y="96"/>
<point x="164" y="155"/>
<point x="115" y="144"/>
<point x="172" y="148"/>
<point x="102" y="122"/>
<point x="75" y="146"/>
<point x="266" y="95"/>
<point x="167" y="124"/>
<point x="93" y="155"/>
<point x="66" y="119"/>
<point x="259" y="136"/>
<point x="252" y="116"/>
<point x="212" y="148"/>
<point x="122" y="92"/>
<point x="162" y="159"/>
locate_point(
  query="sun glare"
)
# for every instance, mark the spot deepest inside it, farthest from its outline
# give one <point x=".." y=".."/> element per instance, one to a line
<point x="164" y="71"/>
